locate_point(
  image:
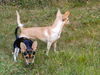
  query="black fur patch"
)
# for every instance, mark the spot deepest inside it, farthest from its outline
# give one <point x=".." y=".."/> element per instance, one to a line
<point x="26" y="41"/>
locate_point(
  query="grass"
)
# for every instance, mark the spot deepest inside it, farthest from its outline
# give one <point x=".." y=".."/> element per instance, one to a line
<point x="78" y="47"/>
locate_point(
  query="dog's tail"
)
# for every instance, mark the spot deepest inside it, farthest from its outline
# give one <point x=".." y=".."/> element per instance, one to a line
<point x="16" y="32"/>
<point x="20" y="25"/>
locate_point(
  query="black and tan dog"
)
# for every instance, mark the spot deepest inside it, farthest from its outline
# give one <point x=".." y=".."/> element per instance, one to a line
<point x="26" y="47"/>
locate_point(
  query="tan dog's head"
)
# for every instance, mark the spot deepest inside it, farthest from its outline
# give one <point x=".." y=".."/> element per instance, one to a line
<point x="29" y="55"/>
<point x="63" y="17"/>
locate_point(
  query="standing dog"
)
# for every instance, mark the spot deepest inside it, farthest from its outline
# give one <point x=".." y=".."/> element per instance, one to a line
<point x="49" y="34"/>
<point x="26" y="47"/>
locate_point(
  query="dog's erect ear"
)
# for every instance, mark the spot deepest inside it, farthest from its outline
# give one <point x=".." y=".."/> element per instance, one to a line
<point x="59" y="14"/>
<point x="23" y="47"/>
<point x="65" y="16"/>
<point x="67" y="13"/>
<point x="34" y="45"/>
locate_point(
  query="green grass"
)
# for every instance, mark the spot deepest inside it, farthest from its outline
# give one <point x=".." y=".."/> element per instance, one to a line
<point x="78" y="48"/>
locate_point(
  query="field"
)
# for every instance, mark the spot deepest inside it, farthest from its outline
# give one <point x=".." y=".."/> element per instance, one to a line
<point x="78" y="48"/>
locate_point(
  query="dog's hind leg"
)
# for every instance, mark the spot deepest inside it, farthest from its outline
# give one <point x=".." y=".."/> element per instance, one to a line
<point x="15" y="55"/>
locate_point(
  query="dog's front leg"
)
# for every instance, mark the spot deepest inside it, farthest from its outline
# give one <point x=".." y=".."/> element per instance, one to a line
<point x="48" y="47"/>
<point x="15" y="55"/>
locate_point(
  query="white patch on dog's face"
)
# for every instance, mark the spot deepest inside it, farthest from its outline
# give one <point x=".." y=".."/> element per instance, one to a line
<point x="67" y="21"/>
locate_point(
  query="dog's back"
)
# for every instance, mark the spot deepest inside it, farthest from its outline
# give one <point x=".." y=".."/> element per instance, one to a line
<point x="26" y="41"/>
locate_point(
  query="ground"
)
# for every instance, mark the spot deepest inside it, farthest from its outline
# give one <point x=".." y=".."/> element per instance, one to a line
<point x="78" y="48"/>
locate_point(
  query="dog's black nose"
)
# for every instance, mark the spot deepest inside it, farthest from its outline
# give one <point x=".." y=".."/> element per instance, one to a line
<point x="28" y="63"/>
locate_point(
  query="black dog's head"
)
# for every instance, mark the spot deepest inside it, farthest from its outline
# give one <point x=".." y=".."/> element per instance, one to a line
<point x="29" y="54"/>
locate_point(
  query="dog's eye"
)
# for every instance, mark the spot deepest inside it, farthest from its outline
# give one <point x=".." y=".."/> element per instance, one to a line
<point x="26" y="57"/>
<point x="25" y="53"/>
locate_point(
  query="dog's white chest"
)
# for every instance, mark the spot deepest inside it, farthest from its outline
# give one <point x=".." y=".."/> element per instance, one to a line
<point x="55" y="36"/>
<point x="56" y="32"/>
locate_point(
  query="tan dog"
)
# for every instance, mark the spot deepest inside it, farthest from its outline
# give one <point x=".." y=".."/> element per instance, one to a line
<point x="48" y="34"/>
